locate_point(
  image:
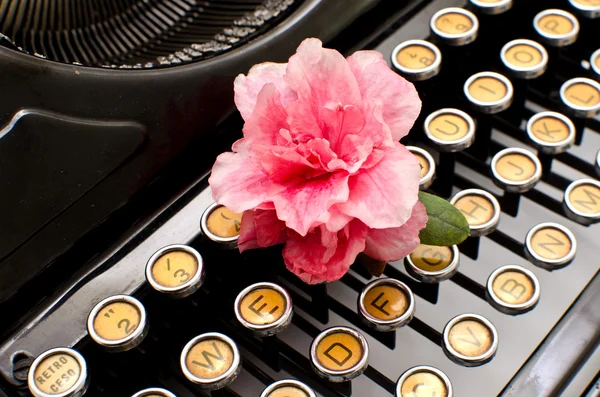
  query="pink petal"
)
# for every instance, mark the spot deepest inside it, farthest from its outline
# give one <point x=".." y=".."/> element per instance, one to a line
<point x="238" y="183"/>
<point x="396" y="243"/>
<point x="339" y="122"/>
<point x="315" y="262"/>
<point x="269" y="229"/>
<point x="320" y="77"/>
<point x="261" y="229"/>
<point x="247" y="237"/>
<point x="287" y="166"/>
<point x="401" y="103"/>
<point x="265" y="125"/>
<point x="247" y="87"/>
<point x="303" y="204"/>
<point x="383" y="196"/>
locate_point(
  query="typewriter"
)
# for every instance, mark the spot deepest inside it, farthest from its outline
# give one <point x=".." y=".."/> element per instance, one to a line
<point x="119" y="276"/>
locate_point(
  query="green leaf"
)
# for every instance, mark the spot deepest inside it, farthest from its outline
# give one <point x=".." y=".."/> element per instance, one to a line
<point x="446" y="225"/>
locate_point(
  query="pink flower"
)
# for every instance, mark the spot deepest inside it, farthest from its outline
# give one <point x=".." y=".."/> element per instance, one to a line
<point x="320" y="167"/>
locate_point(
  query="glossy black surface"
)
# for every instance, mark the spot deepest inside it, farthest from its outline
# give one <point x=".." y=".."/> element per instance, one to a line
<point x="178" y="107"/>
<point x="544" y="347"/>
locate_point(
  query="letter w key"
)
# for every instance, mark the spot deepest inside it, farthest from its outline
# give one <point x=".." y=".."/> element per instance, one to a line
<point x="207" y="356"/>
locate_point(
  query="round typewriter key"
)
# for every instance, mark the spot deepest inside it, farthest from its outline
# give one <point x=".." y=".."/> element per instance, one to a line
<point x="417" y="60"/>
<point x="176" y="270"/>
<point x="211" y="360"/>
<point x="516" y="170"/>
<point x="492" y="7"/>
<point x="339" y="354"/>
<point x="451" y="130"/>
<point x="513" y="289"/>
<point x="489" y="92"/>
<point x="432" y="264"/>
<point x="524" y="58"/>
<point x="424" y="381"/>
<point x="154" y="392"/>
<point x="582" y="201"/>
<point x="455" y="26"/>
<point x="587" y="8"/>
<point x="427" y="165"/>
<point x="581" y="96"/>
<point x="595" y="63"/>
<point x="470" y="340"/>
<point x="288" y="388"/>
<point x="481" y="209"/>
<point x="221" y="225"/>
<point x="550" y="246"/>
<point x="558" y="28"/>
<point x="551" y="132"/>
<point x="264" y="308"/>
<point x="386" y="304"/>
<point x="59" y="372"/>
<point x="118" y="323"/>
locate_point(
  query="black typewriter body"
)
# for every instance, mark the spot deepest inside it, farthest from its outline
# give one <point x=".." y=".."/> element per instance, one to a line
<point x="107" y="138"/>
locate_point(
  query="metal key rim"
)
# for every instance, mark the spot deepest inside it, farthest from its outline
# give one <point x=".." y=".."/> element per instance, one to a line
<point x="456" y="38"/>
<point x="483" y="229"/>
<point x="129" y="341"/>
<point x="217" y="382"/>
<point x="459" y="358"/>
<point x="551" y="147"/>
<point x="590" y="11"/>
<point x="545" y="263"/>
<point x="433" y="277"/>
<point x="516" y="186"/>
<point x="418" y="74"/>
<point x="340" y="375"/>
<point x="584" y="111"/>
<point x="288" y="382"/>
<point x="230" y="242"/>
<point x="574" y="213"/>
<point x="387" y="325"/>
<point x="271" y="328"/>
<point x="493" y="8"/>
<point x="595" y="68"/>
<point x="458" y="144"/>
<point x="427" y="179"/>
<point x="512" y="308"/>
<point x="525" y="72"/>
<point x="154" y="391"/>
<point x="495" y="106"/>
<point x="185" y="289"/>
<point x="77" y="389"/>
<point x="558" y="40"/>
<point x="424" y="368"/>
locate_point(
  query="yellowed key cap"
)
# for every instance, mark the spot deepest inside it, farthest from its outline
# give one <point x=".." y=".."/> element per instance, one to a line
<point x="470" y="340"/>
<point x="58" y="372"/>
<point x="339" y="354"/>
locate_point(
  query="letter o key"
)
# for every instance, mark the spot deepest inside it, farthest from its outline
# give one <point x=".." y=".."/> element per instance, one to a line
<point x="339" y="354"/>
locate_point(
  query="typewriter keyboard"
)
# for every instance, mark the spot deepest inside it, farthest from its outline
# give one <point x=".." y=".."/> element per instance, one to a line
<point x="509" y="133"/>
